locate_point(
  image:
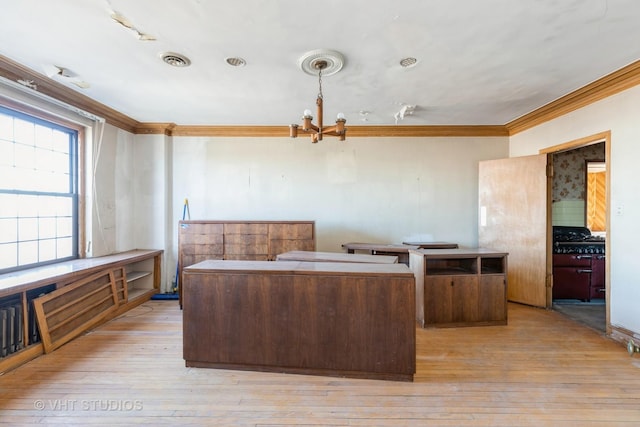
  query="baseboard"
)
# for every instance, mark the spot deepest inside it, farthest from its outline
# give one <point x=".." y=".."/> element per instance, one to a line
<point x="623" y="335"/>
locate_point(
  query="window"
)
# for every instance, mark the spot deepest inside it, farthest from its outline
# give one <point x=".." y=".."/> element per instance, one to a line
<point x="38" y="191"/>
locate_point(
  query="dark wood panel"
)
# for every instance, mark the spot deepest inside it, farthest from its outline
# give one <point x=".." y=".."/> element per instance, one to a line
<point x="329" y="324"/>
<point x="199" y="240"/>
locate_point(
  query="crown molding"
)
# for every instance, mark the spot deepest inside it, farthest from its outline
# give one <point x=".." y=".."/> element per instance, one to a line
<point x="15" y="72"/>
<point x="611" y="84"/>
<point x="352" y="131"/>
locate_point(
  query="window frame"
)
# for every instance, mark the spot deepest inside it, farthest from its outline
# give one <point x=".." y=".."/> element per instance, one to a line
<point x="77" y="160"/>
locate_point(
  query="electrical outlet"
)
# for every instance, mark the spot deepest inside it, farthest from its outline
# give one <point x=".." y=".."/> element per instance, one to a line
<point x="619" y="210"/>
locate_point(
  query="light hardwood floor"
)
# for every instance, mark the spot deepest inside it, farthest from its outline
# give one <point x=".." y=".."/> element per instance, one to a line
<point x="542" y="369"/>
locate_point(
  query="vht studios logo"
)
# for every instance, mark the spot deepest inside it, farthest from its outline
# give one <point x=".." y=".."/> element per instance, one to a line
<point x="113" y="405"/>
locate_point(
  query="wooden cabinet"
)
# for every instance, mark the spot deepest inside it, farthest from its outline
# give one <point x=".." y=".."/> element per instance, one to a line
<point x="460" y="287"/>
<point x="327" y="318"/>
<point x="201" y="240"/>
<point x="44" y="307"/>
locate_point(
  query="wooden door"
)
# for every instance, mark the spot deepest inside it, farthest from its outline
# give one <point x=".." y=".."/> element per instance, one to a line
<point x="514" y="217"/>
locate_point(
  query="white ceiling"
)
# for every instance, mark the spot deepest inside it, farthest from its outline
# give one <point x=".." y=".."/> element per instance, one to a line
<point x="479" y="62"/>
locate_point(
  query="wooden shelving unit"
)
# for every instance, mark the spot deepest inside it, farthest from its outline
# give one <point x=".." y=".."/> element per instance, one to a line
<point x="460" y="287"/>
<point x="53" y="304"/>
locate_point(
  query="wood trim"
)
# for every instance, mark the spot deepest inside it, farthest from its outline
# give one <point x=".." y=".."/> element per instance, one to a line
<point x="352" y="131"/>
<point x="611" y="84"/>
<point x="20" y="358"/>
<point x="577" y="143"/>
<point x="154" y="129"/>
<point x="623" y="335"/>
<point x="428" y="131"/>
<point x="13" y="71"/>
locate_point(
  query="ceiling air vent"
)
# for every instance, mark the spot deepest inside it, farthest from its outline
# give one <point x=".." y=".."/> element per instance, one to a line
<point x="408" y="62"/>
<point x="236" y="62"/>
<point x="175" y="59"/>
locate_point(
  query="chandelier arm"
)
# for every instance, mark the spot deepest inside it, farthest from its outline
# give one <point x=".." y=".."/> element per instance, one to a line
<point x="319" y="127"/>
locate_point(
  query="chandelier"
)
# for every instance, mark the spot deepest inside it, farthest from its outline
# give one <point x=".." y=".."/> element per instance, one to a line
<point x="318" y="61"/>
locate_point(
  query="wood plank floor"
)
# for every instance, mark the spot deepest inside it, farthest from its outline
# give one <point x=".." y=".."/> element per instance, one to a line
<point x="542" y="369"/>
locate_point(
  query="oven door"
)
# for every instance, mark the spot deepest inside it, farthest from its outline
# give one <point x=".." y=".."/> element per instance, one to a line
<point x="572" y="282"/>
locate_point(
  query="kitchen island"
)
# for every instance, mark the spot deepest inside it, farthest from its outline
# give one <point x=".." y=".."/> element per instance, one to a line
<point x="320" y="318"/>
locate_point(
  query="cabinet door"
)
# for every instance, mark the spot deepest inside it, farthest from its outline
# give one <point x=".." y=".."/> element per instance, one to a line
<point x="451" y="299"/>
<point x="492" y="298"/>
<point x="465" y="299"/>
<point x="597" y="276"/>
<point x="285" y="237"/>
<point x="438" y="298"/>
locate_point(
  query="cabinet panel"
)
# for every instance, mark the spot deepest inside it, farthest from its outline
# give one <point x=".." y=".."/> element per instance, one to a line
<point x="438" y="299"/>
<point x="281" y="246"/>
<point x="492" y="301"/>
<point x="294" y="231"/>
<point x="465" y="299"/>
<point x="246" y="228"/>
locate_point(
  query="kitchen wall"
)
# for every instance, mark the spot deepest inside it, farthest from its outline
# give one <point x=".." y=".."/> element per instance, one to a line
<point x="618" y="114"/>
<point x="569" y="186"/>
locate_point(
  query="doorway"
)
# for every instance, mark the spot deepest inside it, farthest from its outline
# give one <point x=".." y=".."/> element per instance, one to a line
<point x="579" y="199"/>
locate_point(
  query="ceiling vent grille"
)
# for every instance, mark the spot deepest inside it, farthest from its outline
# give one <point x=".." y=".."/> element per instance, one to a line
<point x="175" y="59"/>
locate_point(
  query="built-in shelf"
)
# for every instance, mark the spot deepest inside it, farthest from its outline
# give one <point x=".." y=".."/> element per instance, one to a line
<point x="135" y="275"/>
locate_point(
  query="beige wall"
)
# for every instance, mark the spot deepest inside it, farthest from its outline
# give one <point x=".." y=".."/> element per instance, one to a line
<point x="368" y="190"/>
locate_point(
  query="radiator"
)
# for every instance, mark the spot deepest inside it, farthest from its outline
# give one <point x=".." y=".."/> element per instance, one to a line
<point x="11" y="329"/>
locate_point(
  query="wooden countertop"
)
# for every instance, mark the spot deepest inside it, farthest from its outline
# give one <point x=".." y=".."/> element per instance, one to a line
<point x="432" y="245"/>
<point x="458" y="252"/>
<point x="26" y="279"/>
<point x="298" y="268"/>
<point x="311" y="256"/>
<point x="384" y="247"/>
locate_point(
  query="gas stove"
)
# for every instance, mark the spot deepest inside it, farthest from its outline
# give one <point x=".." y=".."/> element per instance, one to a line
<point x="576" y="240"/>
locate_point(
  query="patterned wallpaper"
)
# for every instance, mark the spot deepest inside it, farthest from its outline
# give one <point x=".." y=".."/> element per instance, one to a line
<point x="569" y="173"/>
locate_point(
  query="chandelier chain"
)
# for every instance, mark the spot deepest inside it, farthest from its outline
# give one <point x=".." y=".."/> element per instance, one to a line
<point x="320" y="83"/>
